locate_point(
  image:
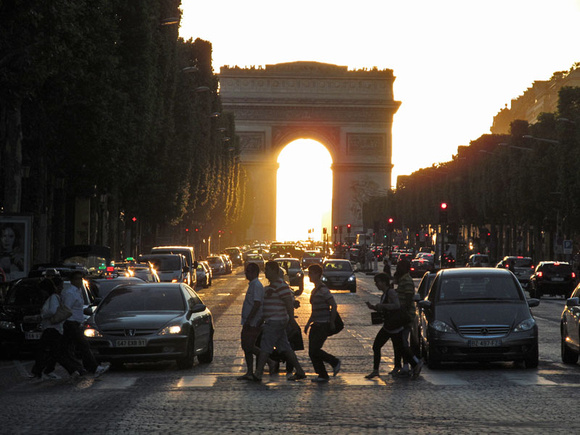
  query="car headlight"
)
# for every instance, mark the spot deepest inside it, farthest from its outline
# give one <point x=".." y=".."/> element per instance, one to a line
<point x="440" y="326"/>
<point x="324" y="279"/>
<point x="299" y="274"/>
<point x="91" y="332"/>
<point x="526" y="325"/>
<point x="169" y="330"/>
<point x="4" y="324"/>
<point x="351" y="278"/>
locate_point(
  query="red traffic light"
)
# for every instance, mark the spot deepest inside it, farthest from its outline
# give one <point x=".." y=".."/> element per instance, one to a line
<point x="390" y="220"/>
<point x="187" y="230"/>
<point x="134" y="219"/>
<point x="443" y="205"/>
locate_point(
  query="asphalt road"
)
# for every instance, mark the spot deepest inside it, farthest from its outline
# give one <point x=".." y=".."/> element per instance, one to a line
<point x="159" y="398"/>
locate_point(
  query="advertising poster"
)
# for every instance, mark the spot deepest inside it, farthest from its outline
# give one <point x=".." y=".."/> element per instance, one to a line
<point x="15" y="246"/>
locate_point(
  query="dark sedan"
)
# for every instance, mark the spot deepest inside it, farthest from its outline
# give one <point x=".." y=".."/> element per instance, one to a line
<point x="152" y="322"/>
<point x="478" y="314"/>
<point x="552" y="278"/>
<point x="339" y="274"/>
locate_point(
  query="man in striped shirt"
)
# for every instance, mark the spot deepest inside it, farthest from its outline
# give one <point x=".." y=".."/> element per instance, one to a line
<point x="278" y="311"/>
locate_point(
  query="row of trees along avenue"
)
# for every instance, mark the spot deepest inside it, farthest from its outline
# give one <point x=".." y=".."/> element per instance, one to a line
<point x="106" y="114"/>
<point x="507" y="194"/>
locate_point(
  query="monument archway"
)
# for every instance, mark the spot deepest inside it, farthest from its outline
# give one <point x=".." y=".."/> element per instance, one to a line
<point x="349" y="112"/>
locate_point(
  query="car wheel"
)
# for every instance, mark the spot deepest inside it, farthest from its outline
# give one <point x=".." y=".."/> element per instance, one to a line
<point x="532" y="358"/>
<point x="186" y="362"/>
<point x="207" y="356"/>
<point x="568" y="355"/>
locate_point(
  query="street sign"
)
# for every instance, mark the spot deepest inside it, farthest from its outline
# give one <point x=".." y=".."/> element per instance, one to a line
<point x="567" y="246"/>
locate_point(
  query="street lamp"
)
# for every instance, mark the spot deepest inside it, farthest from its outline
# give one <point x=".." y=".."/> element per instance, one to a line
<point x="190" y="69"/>
<point x="529" y="136"/>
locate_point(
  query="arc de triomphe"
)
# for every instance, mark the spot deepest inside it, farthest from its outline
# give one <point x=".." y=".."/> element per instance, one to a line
<point x="349" y="112"/>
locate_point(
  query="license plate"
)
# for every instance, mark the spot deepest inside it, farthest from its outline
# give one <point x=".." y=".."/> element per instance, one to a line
<point x="32" y="335"/>
<point x="131" y="343"/>
<point x="484" y="343"/>
<point x="557" y="278"/>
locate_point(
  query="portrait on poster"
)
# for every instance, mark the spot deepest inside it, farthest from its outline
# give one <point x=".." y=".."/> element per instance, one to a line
<point x="15" y="246"/>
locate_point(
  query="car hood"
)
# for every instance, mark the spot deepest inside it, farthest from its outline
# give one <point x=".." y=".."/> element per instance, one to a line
<point x="342" y="273"/>
<point x="134" y="320"/>
<point x="482" y="313"/>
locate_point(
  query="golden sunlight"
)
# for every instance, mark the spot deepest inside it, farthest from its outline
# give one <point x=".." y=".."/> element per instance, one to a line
<point x="304" y="196"/>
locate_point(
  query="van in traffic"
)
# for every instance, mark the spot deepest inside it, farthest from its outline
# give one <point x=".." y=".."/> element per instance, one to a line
<point x="188" y="253"/>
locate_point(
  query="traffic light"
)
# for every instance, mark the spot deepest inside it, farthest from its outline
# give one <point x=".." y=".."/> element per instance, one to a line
<point x="134" y="219"/>
<point x="443" y="213"/>
<point x="335" y="229"/>
<point x="390" y="225"/>
<point x="348" y="228"/>
<point x="324" y="230"/>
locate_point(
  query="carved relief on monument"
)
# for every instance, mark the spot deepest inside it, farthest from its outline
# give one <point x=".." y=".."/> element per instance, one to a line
<point x="312" y="114"/>
<point x="252" y="141"/>
<point x="283" y="135"/>
<point x="366" y="144"/>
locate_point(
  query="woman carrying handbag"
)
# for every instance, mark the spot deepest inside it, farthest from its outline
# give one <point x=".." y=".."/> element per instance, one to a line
<point x="50" y="348"/>
<point x="394" y="320"/>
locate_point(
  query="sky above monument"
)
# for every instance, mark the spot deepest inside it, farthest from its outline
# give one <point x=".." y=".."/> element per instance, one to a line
<point x="457" y="63"/>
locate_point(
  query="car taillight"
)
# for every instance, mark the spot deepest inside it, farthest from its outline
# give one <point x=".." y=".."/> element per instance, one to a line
<point x="540" y="274"/>
<point x="573" y="275"/>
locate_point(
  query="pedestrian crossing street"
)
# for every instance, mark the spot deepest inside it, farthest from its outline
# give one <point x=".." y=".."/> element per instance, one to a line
<point x="557" y="377"/>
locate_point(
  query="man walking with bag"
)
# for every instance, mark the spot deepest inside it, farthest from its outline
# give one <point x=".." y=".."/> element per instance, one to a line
<point x="321" y="323"/>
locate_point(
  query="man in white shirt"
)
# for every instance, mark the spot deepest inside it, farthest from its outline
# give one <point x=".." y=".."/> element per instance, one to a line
<point x="251" y="318"/>
<point x="74" y="337"/>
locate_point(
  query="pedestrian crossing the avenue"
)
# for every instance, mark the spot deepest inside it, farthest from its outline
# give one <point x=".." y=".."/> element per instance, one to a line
<point x="557" y="377"/>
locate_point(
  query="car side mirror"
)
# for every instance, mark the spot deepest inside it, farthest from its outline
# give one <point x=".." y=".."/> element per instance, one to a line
<point x="573" y="302"/>
<point x="424" y="304"/>
<point x="533" y="302"/>
<point x="89" y="311"/>
<point x="198" y="308"/>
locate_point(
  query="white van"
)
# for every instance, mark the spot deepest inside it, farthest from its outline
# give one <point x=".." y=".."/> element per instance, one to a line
<point x="188" y="253"/>
<point x="169" y="267"/>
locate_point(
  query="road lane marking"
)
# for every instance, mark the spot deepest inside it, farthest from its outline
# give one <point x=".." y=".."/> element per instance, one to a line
<point x="443" y="378"/>
<point x="115" y="383"/>
<point x="528" y="379"/>
<point x="202" y="381"/>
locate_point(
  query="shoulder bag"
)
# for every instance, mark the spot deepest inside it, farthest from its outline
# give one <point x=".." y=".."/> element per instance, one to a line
<point x="62" y="313"/>
<point x="338" y="325"/>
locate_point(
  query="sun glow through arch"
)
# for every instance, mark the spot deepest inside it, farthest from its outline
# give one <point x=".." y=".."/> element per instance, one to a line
<point x="304" y="191"/>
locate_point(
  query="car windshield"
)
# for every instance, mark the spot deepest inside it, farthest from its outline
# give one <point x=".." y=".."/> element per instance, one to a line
<point x="523" y="262"/>
<point x="557" y="268"/>
<point x="478" y="287"/>
<point x="342" y="265"/>
<point x="165" y="264"/>
<point x="214" y="260"/>
<point x="145" y="298"/>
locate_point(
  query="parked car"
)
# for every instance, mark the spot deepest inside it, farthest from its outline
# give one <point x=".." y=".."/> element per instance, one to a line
<point x="227" y="262"/>
<point x="339" y="274"/>
<point x="20" y="329"/>
<point x="152" y="322"/>
<point x="522" y="268"/>
<point x="218" y="267"/>
<point x="170" y="267"/>
<point x="570" y="329"/>
<point x="478" y="260"/>
<point x="208" y="272"/>
<point x="422" y="291"/>
<point x="478" y="314"/>
<point x="294" y="271"/>
<point x="255" y="258"/>
<point x="552" y="278"/>
<point x="202" y="275"/>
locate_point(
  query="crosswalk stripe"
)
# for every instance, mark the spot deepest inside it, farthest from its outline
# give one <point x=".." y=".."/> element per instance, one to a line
<point x="197" y="381"/>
